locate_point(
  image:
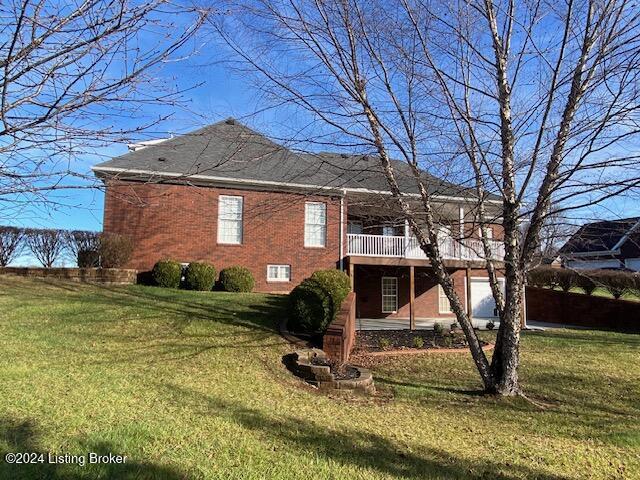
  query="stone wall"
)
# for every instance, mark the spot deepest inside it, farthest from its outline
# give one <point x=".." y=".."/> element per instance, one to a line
<point x="340" y="337"/>
<point x="89" y="275"/>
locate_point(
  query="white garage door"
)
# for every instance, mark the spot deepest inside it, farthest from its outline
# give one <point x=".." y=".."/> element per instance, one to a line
<point x="482" y="303"/>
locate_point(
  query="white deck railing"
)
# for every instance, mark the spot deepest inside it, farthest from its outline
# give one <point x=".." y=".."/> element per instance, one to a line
<point x="408" y="247"/>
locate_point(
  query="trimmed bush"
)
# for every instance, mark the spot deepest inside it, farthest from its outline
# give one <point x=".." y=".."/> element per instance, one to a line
<point x="167" y="273"/>
<point x="236" y="279"/>
<point x="566" y="279"/>
<point x="200" y="276"/>
<point x="585" y="280"/>
<point x="337" y="283"/>
<point x="115" y="250"/>
<point x="88" y="258"/>
<point x="310" y="307"/>
<point x="617" y="283"/>
<point x="543" y="277"/>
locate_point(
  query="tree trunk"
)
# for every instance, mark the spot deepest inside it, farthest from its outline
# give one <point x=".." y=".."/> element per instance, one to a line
<point x="506" y="355"/>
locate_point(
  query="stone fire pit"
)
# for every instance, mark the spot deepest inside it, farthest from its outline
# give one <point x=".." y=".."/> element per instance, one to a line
<point x="313" y="365"/>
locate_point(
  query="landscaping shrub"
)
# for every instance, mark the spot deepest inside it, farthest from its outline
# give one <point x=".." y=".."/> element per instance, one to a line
<point x="200" y="276"/>
<point x="616" y="283"/>
<point x="115" y="250"/>
<point x="454" y="326"/>
<point x="84" y="246"/>
<point x="418" y="342"/>
<point x="11" y="243"/>
<point x="337" y="283"/>
<point x="167" y="273"/>
<point x="438" y="329"/>
<point x="566" y="279"/>
<point x="585" y="280"/>
<point x="237" y="279"/>
<point x="543" y="277"/>
<point x="384" y="343"/>
<point x="310" y="307"/>
<point x="491" y="325"/>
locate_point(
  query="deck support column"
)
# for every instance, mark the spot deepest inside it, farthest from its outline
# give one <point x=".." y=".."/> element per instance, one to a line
<point x="469" y="308"/>
<point x="351" y="275"/>
<point x="412" y="298"/>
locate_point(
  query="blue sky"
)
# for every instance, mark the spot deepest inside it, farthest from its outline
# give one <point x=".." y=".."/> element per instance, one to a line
<point x="224" y="93"/>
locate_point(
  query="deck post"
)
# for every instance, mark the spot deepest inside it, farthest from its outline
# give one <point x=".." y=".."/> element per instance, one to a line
<point x="351" y="274"/>
<point x="412" y="298"/>
<point x="469" y="308"/>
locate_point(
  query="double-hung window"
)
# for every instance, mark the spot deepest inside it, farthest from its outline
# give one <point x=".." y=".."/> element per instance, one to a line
<point x="444" y="306"/>
<point x="230" y="219"/>
<point x="389" y="294"/>
<point x="315" y="224"/>
<point x="278" y="273"/>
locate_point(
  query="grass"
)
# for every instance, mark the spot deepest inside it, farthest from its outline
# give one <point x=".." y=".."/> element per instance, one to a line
<point x="191" y="385"/>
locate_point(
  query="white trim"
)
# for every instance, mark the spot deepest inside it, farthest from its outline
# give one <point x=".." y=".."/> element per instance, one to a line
<point x="440" y="295"/>
<point x="324" y="237"/>
<point x="341" y="233"/>
<point x="626" y="236"/>
<point x="225" y="242"/>
<point x="382" y="295"/>
<point x="278" y="279"/>
<point x="244" y="181"/>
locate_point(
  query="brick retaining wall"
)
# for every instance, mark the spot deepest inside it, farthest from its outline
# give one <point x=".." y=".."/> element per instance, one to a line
<point x="340" y="337"/>
<point x="546" y="305"/>
<point x="88" y="275"/>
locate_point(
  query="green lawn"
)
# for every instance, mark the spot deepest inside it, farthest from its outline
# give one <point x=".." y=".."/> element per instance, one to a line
<point x="191" y="385"/>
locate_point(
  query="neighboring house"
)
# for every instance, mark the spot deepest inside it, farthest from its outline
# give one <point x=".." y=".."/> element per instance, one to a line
<point x="613" y="244"/>
<point x="229" y="196"/>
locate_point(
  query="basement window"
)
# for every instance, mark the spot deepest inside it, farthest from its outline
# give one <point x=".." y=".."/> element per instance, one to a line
<point x="278" y="273"/>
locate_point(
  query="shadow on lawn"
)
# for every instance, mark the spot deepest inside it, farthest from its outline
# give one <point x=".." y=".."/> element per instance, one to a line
<point x="351" y="447"/>
<point x="22" y="436"/>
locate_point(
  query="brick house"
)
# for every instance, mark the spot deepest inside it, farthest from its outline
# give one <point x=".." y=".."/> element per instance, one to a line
<point x="227" y="195"/>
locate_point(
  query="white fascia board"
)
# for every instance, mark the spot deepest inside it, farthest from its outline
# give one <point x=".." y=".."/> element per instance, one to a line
<point x="626" y="236"/>
<point x="242" y="181"/>
<point x="591" y="254"/>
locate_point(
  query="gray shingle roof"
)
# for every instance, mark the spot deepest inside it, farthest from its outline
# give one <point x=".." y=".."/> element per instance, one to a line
<point x="230" y="150"/>
<point x="599" y="236"/>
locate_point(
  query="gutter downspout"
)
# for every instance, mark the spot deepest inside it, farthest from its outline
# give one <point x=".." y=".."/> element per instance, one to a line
<point x="342" y="231"/>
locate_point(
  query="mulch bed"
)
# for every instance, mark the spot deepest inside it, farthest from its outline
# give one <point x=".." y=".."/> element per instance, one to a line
<point x="340" y="372"/>
<point x="384" y="340"/>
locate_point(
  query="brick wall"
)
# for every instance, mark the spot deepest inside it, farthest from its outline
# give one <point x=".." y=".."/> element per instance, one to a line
<point x="545" y="305"/>
<point x="368" y="285"/>
<point x="340" y="337"/>
<point x="180" y="222"/>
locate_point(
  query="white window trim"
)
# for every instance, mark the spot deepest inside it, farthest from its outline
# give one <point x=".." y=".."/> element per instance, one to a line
<point x="226" y="242"/>
<point x="324" y="238"/>
<point x="442" y="295"/>
<point x="382" y="295"/>
<point x="278" y="265"/>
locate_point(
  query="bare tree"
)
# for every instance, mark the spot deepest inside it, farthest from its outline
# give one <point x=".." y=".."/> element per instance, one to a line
<point x="84" y="246"/>
<point x="46" y="245"/>
<point x="75" y="76"/>
<point x="529" y="101"/>
<point x="10" y="244"/>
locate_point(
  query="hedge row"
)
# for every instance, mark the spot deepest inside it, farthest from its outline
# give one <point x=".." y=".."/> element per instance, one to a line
<point x="201" y="276"/>
<point x="49" y="246"/>
<point x="616" y="282"/>
<point x="314" y="304"/>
